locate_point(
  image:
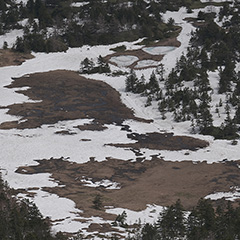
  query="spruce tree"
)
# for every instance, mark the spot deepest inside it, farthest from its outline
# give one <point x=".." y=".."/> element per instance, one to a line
<point x="131" y="82"/>
<point x="153" y="85"/>
<point x="170" y="225"/>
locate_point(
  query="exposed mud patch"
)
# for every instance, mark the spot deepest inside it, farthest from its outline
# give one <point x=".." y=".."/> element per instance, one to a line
<point x="65" y="95"/>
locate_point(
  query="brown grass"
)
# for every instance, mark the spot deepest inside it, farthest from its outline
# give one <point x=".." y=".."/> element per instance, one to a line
<point x="10" y="58"/>
<point x="142" y="182"/>
<point x="65" y="95"/>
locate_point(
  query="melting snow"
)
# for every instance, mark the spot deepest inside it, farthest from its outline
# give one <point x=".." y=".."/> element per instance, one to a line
<point x="230" y="196"/>
<point x="21" y="147"/>
<point x="103" y="183"/>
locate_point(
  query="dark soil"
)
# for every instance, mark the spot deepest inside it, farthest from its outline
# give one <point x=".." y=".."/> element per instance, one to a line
<point x="163" y="141"/>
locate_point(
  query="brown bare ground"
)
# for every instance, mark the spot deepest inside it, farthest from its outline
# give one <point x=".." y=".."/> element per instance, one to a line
<point x="163" y="141"/>
<point x="143" y="182"/>
<point x="65" y="95"/>
<point x="9" y="57"/>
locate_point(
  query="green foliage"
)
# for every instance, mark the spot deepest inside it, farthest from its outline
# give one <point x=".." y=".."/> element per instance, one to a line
<point x="87" y="66"/>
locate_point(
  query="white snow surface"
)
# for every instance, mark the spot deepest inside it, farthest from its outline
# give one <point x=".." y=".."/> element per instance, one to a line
<point x="107" y="184"/>
<point x="148" y="215"/>
<point x="230" y="196"/>
<point x="22" y="147"/>
<point x="10" y="37"/>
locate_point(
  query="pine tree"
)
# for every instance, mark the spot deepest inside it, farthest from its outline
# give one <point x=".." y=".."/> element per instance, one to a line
<point x="141" y="85"/>
<point x="170" y="225"/>
<point x="131" y="82"/>
<point x="153" y="85"/>
<point x="201" y="221"/>
<point x="86" y="66"/>
<point x="149" y="232"/>
<point x="237" y="115"/>
<point x="160" y="71"/>
<point x="103" y="66"/>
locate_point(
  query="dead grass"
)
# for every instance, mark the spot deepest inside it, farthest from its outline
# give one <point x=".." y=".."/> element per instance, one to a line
<point x="10" y="58"/>
<point x="65" y="95"/>
<point x="142" y="182"/>
<point x="162" y="141"/>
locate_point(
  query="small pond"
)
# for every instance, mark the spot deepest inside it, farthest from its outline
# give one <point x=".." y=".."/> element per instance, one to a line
<point x="159" y="50"/>
<point x="146" y="63"/>
<point x="124" y="60"/>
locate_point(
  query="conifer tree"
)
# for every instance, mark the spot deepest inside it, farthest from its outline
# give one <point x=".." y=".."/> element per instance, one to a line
<point x="170" y="225"/>
<point x="153" y="85"/>
<point x="131" y="82"/>
<point x="237" y="115"/>
<point x="86" y="66"/>
<point x="103" y="66"/>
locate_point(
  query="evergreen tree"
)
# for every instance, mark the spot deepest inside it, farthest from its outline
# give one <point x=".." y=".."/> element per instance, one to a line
<point x="237" y="115"/>
<point x="102" y="66"/>
<point x="149" y="232"/>
<point x="86" y="66"/>
<point x="131" y="82"/>
<point x="227" y="76"/>
<point x="201" y="221"/>
<point x="171" y="222"/>
<point x="153" y="85"/>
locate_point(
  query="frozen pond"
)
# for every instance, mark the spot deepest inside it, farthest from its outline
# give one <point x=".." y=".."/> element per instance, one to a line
<point x="147" y="63"/>
<point x="160" y="50"/>
<point x="124" y="61"/>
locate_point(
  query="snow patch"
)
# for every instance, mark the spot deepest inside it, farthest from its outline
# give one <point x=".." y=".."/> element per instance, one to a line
<point x="230" y="196"/>
<point x="148" y="215"/>
<point x="107" y="184"/>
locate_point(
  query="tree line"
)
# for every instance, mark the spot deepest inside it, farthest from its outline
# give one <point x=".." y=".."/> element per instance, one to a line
<point x="212" y="49"/>
<point x="98" y="22"/>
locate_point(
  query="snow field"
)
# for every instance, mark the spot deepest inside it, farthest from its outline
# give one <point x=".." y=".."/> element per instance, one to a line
<point x="22" y="147"/>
